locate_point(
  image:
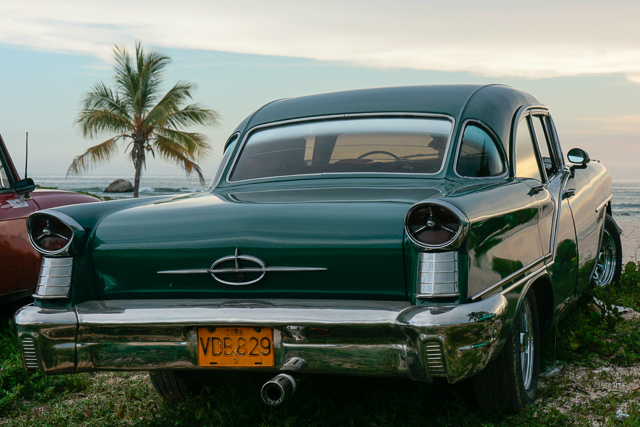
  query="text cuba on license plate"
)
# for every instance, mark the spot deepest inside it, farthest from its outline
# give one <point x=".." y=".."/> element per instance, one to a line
<point x="235" y="346"/>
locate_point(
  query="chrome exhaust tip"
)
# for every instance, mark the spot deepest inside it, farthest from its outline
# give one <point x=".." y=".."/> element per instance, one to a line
<point x="275" y="390"/>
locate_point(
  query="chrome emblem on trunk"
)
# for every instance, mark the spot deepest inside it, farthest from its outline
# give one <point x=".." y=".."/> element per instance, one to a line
<point x="240" y="271"/>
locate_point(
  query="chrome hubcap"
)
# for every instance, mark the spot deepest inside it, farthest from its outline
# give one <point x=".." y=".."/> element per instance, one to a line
<point x="526" y="344"/>
<point x="606" y="262"/>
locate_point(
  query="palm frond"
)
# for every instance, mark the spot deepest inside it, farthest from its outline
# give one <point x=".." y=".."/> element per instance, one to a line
<point x="192" y="114"/>
<point x="126" y="81"/>
<point x="170" y="151"/>
<point x="96" y="155"/>
<point x="192" y="144"/>
<point x="103" y="111"/>
<point x="102" y="97"/>
<point x="170" y="102"/>
<point x="139" y="79"/>
<point x="95" y="122"/>
<point x="150" y="67"/>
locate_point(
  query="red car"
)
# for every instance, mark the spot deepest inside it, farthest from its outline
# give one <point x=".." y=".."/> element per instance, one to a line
<point x="19" y="262"/>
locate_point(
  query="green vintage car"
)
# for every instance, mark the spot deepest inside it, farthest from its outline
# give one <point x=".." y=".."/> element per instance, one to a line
<point x="414" y="232"/>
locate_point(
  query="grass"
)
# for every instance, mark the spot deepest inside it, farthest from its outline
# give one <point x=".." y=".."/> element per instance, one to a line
<point x="600" y="355"/>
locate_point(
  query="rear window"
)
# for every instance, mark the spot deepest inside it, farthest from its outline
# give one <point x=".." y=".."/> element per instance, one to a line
<point x="367" y="145"/>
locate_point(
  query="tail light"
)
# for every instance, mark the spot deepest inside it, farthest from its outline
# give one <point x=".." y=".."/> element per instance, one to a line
<point x="435" y="225"/>
<point x="52" y="234"/>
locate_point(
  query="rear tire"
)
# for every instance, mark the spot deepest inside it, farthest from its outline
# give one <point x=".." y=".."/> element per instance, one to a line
<point x="172" y="385"/>
<point x="511" y="380"/>
<point x="609" y="261"/>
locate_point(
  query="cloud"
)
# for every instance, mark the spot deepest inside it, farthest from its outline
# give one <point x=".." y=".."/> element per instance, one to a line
<point x="628" y="124"/>
<point x="495" y="38"/>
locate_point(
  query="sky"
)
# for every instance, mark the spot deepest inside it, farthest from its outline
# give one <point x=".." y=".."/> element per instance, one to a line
<point x="580" y="58"/>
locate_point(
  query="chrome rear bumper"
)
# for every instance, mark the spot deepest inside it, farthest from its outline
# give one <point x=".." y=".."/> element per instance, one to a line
<point x="373" y="338"/>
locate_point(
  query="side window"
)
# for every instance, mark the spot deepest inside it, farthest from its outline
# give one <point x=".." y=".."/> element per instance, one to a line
<point x="526" y="159"/>
<point x="546" y="148"/>
<point x="480" y="155"/>
<point x="4" y="179"/>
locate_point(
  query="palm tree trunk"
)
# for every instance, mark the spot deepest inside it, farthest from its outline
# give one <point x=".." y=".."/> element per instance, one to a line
<point x="137" y="163"/>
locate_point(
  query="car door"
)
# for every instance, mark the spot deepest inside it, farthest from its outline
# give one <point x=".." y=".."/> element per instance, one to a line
<point x="527" y="248"/>
<point x="575" y="189"/>
<point x="19" y="263"/>
<point x="557" y="231"/>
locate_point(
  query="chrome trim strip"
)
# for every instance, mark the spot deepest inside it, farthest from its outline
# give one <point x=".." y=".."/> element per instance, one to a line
<point x="431" y="296"/>
<point x="241" y="270"/>
<point x="510" y="277"/>
<point x="224" y="162"/>
<point x="524" y="279"/>
<point x="603" y="204"/>
<point x="337" y="117"/>
<point x="236" y="258"/>
<point x="522" y="112"/>
<point x="556" y="220"/>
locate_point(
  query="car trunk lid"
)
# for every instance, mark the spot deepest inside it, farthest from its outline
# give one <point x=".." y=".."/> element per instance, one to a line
<point x="294" y="243"/>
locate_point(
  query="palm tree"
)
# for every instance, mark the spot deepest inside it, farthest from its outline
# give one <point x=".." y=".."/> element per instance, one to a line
<point x="134" y="113"/>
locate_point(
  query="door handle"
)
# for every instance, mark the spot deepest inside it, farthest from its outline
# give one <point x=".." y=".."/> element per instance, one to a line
<point x="536" y="189"/>
<point x="568" y="193"/>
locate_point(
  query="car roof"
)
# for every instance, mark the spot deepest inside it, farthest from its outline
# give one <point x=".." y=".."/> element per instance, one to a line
<point x="486" y="103"/>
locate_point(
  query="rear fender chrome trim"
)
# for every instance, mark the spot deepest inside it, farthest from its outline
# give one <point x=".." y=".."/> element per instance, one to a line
<point x="604" y="203"/>
<point x="513" y="276"/>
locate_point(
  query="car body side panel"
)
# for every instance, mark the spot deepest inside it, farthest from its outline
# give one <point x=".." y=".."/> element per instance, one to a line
<point x="592" y="188"/>
<point x="19" y="262"/>
<point x="564" y="270"/>
<point x="503" y="236"/>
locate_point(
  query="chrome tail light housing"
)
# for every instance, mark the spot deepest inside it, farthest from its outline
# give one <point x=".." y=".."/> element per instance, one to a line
<point x="436" y="225"/>
<point x="53" y="233"/>
<point x="437" y="275"/>
<point x="55" y="278"/>
<point x="437" y="230"/>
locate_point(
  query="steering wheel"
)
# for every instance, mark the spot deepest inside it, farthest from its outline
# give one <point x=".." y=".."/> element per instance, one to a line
<point x="379" y="152"/>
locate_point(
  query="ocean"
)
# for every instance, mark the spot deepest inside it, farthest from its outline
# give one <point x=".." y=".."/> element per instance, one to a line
<point x="149" y="185"/>
<point x="626" y="201"/>
<point x="626" y="194"/>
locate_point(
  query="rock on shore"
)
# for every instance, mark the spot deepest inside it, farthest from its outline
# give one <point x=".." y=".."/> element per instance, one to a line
<point x="119" y="186"/>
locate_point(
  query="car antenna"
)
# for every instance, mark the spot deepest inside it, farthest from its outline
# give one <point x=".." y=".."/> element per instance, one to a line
<point x="26" y="156"/>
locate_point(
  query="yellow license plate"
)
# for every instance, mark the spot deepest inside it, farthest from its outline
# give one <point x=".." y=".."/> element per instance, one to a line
<point x="235" y="346"/>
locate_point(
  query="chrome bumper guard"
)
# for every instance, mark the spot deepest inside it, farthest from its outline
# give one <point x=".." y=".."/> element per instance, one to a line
<point x="373" y="338"/>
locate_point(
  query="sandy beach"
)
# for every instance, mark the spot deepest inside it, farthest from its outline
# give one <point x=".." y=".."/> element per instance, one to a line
<point x="630" y="241"/>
